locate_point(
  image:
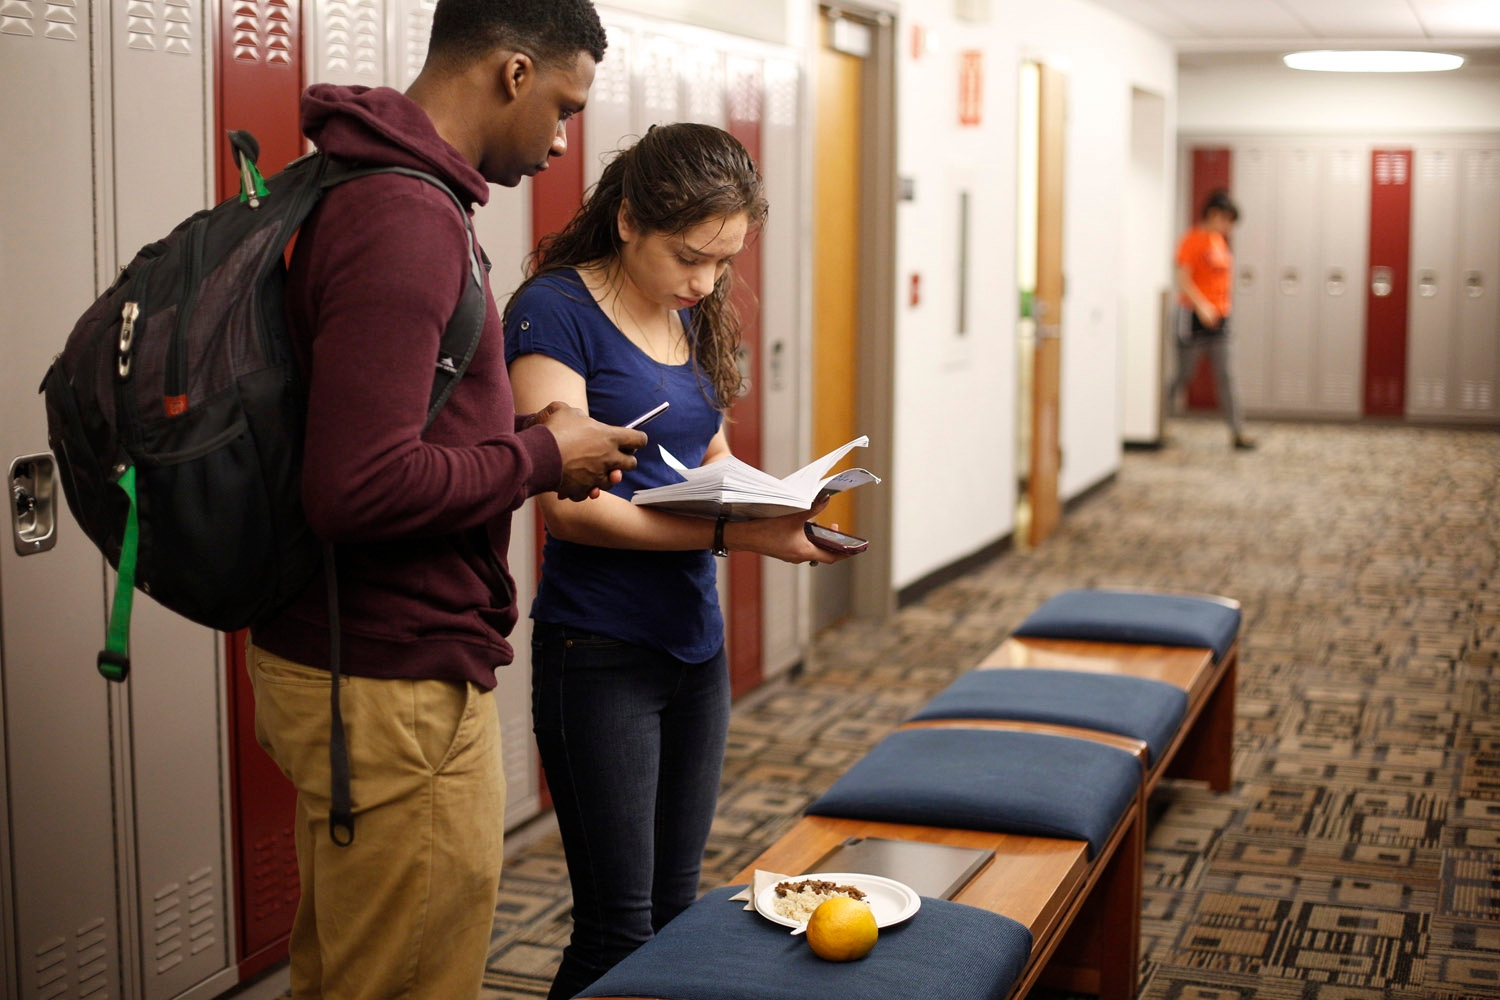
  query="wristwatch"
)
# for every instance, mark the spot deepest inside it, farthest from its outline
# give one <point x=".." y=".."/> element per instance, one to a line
<point x="719" y="549"/>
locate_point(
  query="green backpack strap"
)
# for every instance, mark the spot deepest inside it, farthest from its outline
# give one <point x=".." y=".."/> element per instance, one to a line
<point x="114" y="658"/>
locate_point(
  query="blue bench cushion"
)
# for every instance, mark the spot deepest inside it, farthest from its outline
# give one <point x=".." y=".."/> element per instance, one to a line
<point x="715" y="950"/>
<point x="976" y="779"/>
<point x="1126" y="616"/>
<point x="1130" y="706"/>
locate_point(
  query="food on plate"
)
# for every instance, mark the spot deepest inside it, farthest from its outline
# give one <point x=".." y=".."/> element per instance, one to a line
<point x="842" y="930"/>
<point x="797" y="900"/>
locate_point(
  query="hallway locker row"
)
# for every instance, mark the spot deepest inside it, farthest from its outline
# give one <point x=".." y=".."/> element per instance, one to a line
<point x="145" y="840"/>
<point x="1364" y="275"/>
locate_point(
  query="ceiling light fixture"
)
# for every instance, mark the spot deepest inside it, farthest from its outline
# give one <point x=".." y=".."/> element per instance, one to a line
<point x="1329" y="61"/>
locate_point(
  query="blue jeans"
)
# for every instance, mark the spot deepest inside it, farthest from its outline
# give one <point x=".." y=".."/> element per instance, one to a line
<point x="632" y="743"/>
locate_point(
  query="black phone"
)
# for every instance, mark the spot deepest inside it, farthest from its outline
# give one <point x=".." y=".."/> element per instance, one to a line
<point x="834" y="541"/>
<point x="649" y="415"/>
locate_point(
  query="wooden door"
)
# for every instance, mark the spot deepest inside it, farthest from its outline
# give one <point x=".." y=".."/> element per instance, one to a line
<point x="1046" y="441"/>
<point x="836" y="257"/>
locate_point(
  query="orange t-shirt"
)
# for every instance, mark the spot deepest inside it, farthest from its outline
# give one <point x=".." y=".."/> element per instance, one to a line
<point x="1209" y="264"/>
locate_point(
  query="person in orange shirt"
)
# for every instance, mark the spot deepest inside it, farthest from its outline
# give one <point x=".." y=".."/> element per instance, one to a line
<point x="1205" y="279"/>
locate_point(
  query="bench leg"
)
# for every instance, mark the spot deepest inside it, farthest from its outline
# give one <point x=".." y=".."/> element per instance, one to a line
<point x="1207" y="751"/>
<point x="1100" y="953"/>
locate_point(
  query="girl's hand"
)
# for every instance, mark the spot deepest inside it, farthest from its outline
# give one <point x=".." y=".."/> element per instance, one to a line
<point x="781" y="538"/>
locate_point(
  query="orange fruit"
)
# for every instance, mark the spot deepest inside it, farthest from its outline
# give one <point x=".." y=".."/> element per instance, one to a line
<point x="842" y="929"/>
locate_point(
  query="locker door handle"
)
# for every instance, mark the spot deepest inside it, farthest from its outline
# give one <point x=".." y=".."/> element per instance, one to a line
<point x="1336" y="282"/>
<point x="1382" y="282"/>
<point x="778" y="365"/>
<point x="1427" y="284"/>
<point x="1473" y="284"/>
<point x="1247" y="277"/>
<point x="33" y="510"/>
<point x="1290" y="281"/>
<point x="742" y="361"/>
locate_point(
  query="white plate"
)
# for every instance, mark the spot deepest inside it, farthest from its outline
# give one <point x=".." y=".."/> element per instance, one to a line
<point x="890" y="901"/>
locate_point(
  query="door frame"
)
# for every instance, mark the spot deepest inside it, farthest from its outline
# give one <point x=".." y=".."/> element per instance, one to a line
<point x="871" y="594"/>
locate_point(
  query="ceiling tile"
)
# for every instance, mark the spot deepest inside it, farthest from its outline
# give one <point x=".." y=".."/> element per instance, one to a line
<point x="1333" y="19"/>
<point x="1148" y="15"/>
<point x="1237" y="18"/>
<point x="1459" y="18"/>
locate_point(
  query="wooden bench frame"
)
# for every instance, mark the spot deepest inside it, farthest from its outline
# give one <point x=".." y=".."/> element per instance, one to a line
<point x="1084" y="914"/>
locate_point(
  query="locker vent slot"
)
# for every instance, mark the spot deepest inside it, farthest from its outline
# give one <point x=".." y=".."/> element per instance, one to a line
<point x="1390" y="168"/>
<point x="272" y="884"/>
<point x="59" y="17"/>
<point x="1437" y="165"/>
<point x="1338" y="391"/>
<point x="55" y="969"/>
<point x="263" y="32"/>
<point x="1476" y="394"/>
<point x="744" y="92"/>
<point x="781" y="94"/>
<point x="184" y="920"/>
<point x="354" y="38"/>
<point x="703" y="80"/>
<point x="1291" y="388"/>
<point x="174" y="26"/>
<point x="660" y="79"/>
<point x="1484" y="168"/>
<point x="1429" y="393"/>
<point x="612" y="78"/>
<point x="414" y="39"/>
<point x="515" y="741"/>
<point x="1343" y="168"/>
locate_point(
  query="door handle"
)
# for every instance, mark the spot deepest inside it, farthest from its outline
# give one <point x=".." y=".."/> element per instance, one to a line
<point x="1336" y="284"/>
<point x="1473" y="284"/>
<point x="778" y="366"/>
<point x="1427" y="284"/>
<point x="1381" y="282"/>
<point x="33" y="503"/>
<point x="1290" y="281"/>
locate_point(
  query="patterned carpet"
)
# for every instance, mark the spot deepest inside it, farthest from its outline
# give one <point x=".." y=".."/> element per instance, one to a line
<point x="1358" y="855"/>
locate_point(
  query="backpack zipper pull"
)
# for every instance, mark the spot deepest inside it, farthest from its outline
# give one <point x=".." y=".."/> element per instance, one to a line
<point x="128" y="316"/>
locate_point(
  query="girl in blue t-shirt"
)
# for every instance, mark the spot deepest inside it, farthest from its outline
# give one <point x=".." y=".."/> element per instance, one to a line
<point x="625" y="308"/>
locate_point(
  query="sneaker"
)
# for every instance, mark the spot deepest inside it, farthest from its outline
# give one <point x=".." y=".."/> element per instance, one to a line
<point x="1243" y="443"/>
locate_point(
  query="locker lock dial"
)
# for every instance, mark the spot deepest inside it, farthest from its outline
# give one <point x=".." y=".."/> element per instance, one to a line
<point x="33" y="509"/>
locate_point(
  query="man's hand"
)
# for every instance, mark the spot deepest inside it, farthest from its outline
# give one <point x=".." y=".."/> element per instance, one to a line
<point x="1207" y="314"/>
<point x="593" y="454"/>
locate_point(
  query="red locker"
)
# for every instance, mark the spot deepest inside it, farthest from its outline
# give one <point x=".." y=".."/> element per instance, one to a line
<point x="1387" y="291"/>
<point x="1212" y="169"/>
<point x="746" y="656"/>
<point x="258" y="86"/>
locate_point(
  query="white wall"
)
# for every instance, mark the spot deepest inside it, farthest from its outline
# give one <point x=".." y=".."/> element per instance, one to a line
<point x="954" y="456"/>
<point x="1239" y="99"/>
<point x="956" y="422"/>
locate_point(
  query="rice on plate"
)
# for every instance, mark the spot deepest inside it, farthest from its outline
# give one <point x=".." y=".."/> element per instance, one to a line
<point x="797" y="900"/>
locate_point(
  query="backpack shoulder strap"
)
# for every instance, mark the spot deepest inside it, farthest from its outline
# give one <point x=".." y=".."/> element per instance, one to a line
<point x="465" y="327"/>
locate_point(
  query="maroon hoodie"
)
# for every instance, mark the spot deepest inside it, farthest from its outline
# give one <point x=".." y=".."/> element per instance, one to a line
<point x="421" y="520"/>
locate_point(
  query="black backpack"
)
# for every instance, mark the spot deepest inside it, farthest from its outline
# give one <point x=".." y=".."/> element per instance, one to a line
<point x="175" y="409"/>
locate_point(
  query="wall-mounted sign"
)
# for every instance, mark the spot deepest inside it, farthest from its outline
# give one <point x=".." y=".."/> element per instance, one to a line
<point x="970" y="86"/>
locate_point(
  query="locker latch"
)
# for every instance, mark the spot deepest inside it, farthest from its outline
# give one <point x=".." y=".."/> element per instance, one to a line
<point x="1336" y="282"/>
<point x="1381" y="281"/>
<point x="1473" y="284"/>
<point x="1427" y="284"/>
<point x="33" y="505"/>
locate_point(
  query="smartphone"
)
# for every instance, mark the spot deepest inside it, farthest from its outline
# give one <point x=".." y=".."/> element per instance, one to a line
<point x="834" y="541"/>
<point x="649" y="415"/>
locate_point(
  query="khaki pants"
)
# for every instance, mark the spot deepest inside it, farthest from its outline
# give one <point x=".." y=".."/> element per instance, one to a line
<point x="406" y="910"/>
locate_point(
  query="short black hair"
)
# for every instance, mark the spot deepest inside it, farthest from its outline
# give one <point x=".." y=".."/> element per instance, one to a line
<point x="1219" y="201"/>
<point x="550" y="31"/>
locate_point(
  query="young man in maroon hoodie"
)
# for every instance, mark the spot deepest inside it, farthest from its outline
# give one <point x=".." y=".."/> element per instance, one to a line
<point x="420" y="519"/>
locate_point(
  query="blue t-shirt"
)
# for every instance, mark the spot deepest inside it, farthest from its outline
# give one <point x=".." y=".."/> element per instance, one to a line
<point x="666" y="601"/>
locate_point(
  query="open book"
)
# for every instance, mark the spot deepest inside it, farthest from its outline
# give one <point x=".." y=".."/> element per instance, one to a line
<point x="743" y="492"/>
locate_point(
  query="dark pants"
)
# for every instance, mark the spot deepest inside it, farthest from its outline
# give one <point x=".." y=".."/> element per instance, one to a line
<point x="632" y="743"/>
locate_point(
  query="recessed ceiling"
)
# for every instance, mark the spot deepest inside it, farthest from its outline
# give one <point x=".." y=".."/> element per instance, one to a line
<point x="1263" y="26"/>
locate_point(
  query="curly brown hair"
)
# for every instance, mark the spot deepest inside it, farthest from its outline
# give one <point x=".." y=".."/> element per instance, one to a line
<point x="673" y="178"/>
